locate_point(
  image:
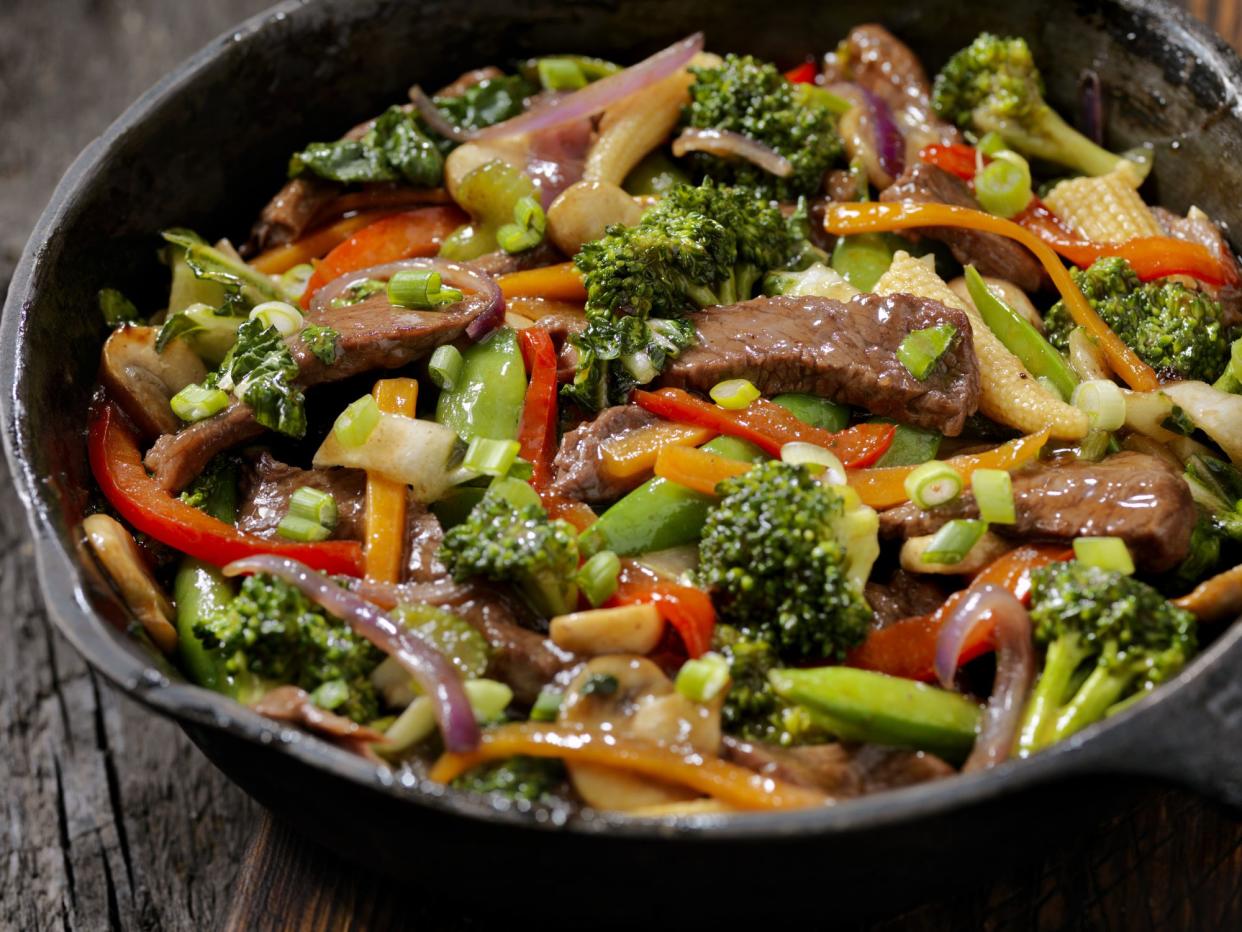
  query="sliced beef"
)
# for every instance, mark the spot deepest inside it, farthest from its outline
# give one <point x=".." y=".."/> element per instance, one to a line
<point x="523" y="658"/>
<point x="905" y="595"/>
<point x="577" y="468"/>
<point x="1130" y="495"/>
<point x="991" y="254"/>
<point x="500" y="263"/>
<point x="423" y="536"/>
<point x="268" y="484"/>
<point x="289" y="214"/>
<point x="373" y="335"/>
<point x="843" y="351"/>
<point x="840" y="770"/>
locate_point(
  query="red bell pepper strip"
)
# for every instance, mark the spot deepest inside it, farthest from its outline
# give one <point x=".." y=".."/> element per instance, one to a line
<point x="116" y="462"/>
<point x="803" y="74"/>
<point x="769" y="426"/>
<point x="907" y="648"/>
<point x="399" y="236"/>
<point x="687" y="609"/>
<point x="957" y="159"/>
<point x="537" y="431"/>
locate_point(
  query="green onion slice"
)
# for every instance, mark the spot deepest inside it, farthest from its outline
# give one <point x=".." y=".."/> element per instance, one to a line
<point x="1107" y="553"/>
<point x="527" y="229"/>
<point x="703" y="679"/>
<point x="286" y="318"/>
<point x="990" y="143"/>
<point x="195" y="402"/>
<point x="1103" y="403"/>
<point x="356" y="422"/>
<point x="313" y="505"/>
<point x="560" y="74"/>
<point x="302" y="529"/>
<point x="921" y="349"/>
<point x="993" y="490"/>
<point x="420" y="289"/>
<point x="1003" y="187"/>
<point x="598" y="577"/>
<point x="934" y="483"/>
<point x="547" y="705"/>
<point x="816" y="458"/>
<point x="491" y="457"/>
<point x="734" y="394"/>
<point x="445" y="367"/>
<point x="953" y="541"/>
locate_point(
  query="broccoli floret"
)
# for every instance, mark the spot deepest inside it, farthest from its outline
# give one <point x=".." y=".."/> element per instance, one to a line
<point x="214" y="490"/>
<point x="992" y="85"/>
<point x="752" y="709"/>
<point x="787" y="557"/>
<point x="534" y="779"/>
<point x="747" y="96"/>
<point x="1122" y="632"/>
<point x="509" y="538"/>
<point x="271" y="634"/>
<point x="1177" y="331"/>
<point x="697" y="248"/>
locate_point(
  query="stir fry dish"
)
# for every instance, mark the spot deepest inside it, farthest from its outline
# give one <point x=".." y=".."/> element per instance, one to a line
<point x="690" y="437"/>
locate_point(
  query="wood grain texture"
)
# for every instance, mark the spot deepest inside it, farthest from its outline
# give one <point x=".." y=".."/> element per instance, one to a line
<point x="111" y="819"/>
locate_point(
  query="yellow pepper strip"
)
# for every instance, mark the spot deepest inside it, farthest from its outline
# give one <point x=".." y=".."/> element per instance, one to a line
<point x="843" y="219"/>
<point x="562" y="282"/>
<point x="634" y="453"/>
<point x="316" y="245"/>
<point x="385" y="504"/>
<point x="536" y="308"/>
<point x="886" y="486"/>
<point x="711" y="776"/>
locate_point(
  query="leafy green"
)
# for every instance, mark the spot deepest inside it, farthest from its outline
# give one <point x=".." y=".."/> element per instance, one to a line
<point x="116" y="308"/>
<point x="395" y="148"/>
<point x="491" y="101"/>
<point x="321" y="341"/>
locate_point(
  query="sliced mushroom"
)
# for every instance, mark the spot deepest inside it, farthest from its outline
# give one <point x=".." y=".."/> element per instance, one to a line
<point x="142" y="379"/>
<point x="118" y="554"/>
<point x="625" y="629"/>
<point x="631" y="696"/>
<point x="583" y="211"/>
<point x="986" y="549"/>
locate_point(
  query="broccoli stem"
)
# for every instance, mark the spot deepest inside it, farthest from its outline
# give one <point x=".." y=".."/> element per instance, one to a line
<point x="1064" y="656"/>
<point x="1047" y="136"/>
<point x="1102" y="688"/>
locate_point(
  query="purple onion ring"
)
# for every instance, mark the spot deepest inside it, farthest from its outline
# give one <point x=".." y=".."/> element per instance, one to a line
<point x="451" y="273"/>
<point x="1015" y="667"/>
<point x="428" y="666"/>
<point x="728" y="144"/>
<point x="1092" y="96"/>
<point x="602" y="94"/>
<point x="435" y="118"/>
<point x="890" y="148"/>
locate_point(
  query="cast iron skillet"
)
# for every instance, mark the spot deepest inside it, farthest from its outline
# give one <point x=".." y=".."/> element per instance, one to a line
<point x="205" y="148"/>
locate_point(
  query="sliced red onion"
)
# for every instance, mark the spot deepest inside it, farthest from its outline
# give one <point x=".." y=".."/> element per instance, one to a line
<point x="602" y="94"/>
<point x="890" y="147"/>
<point x="728" y="144"/>
<point x="431" y="669"/>
<point x="1015" y="666"/>
<point x="1092" y="96"/>
<point x="435" y="118"/>
<point x="451" y="273"/>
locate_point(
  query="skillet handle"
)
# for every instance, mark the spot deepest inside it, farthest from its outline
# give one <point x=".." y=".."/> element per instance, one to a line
<point x="1193" y="735"/>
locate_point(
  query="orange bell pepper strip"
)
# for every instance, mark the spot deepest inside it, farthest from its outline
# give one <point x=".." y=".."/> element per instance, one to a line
<point x="705" y="773"/>
<point x="537" y="428"/>
<point x="281" y="259"/>
<point x="635" y="453"/>
<point x="700" y="470"/>
<point x="386" y="499"/>
<point x="907" y="648"/>
<point x="886" y="486"/>
<point x="687" y="609"/>
<point x="116" y="462"/>
<point x="398" y="236"/>
<point x="843" y="219"/>
<point x="562" y="282"/>
<point x="768" y="425"/>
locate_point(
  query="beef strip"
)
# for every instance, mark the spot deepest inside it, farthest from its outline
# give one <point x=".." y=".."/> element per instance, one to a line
<point x="373" y="335"/>
<point x="1129" y="495"/>
<point x="576" y="468"/>
<point x="840" y="770"/>
<point x="288" y="215"/>
<point x="905" y="595"/>
<point x="423" y="536"/>
<point x="500" y="263"/>
<point x="990" y="253"/>
<point x="843" y="351"/>
<point x="268" y="484"/>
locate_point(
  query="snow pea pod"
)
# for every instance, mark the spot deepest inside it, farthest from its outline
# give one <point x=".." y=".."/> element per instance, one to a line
<point x="487" y="399"/>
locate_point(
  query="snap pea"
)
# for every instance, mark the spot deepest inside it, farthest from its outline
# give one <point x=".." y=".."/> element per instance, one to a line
<point x="660" y="514"/>
<point x="816" y="411"/>
<point x="488" y="396"/>
<point x="863" y="258"/>
<point x="911" y="445"/>
<point x="859" y="705"/>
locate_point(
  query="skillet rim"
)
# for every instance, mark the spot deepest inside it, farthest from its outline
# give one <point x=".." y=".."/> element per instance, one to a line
<point x="68" y="604"/>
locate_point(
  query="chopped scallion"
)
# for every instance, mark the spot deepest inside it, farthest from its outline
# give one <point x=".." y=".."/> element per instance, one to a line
<point x="993" y="490"/>
<point x="488" y="698"/>
<point x="1103" y="403"/>
<point x="702" y="680"/>
<point x="356" y="422"/>
<point x="195" y="402"/>
<point x="953" y="541"/>
<point x="302" y="529"/>
<point x="921" y="349"/>
<point x="734" y="394"/>
<point x="933" y="484"/>
<point x="1107" y="553"/>
<point x="445" y="367"/>
<point x="560" y="74"/>
<point x="1003" y="187"/>
<point x="491" y="457"/>
<point x="990" y="143"/>
<point x="420" y="289"/>
<point x="313" y="505"/>
<point x="598" y="577"/>
<point x="527" y="229"/>
<point x="547" y="705"/>
<point x="816" y="458"/>
<point x="286" y="318"/>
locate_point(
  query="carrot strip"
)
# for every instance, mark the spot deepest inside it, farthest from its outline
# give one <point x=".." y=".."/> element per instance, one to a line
<point x="635" y="452"/>
<point x="706" y="774"/>
<point x="556" y="282"/>
<point x="843" y="219"/>
<point x="281" y="259"/>
<point x="385" y="501"/>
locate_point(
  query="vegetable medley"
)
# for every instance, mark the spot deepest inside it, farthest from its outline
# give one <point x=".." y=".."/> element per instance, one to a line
<point x="694" y="436"/>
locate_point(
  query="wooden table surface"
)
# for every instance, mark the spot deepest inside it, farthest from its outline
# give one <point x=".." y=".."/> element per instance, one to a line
<point x="110" y="818"/>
